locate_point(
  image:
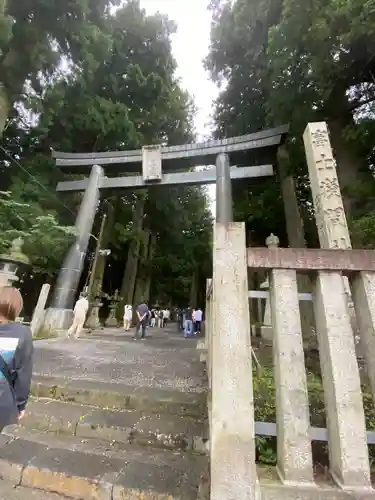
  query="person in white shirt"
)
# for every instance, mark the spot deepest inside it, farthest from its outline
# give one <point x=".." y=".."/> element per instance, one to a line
<point x="167" y="315"/>
<point x="198" y="315"/>
<point x="79" y="316"/>
<point x="128" y="316"/>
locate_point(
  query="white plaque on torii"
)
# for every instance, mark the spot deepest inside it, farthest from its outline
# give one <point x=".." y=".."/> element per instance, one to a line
<point x="151" y="163"/>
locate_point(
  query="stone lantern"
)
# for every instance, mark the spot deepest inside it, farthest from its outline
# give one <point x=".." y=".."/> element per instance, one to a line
<point x="266" y="329"/>
<point x="115" y="299"/>
<point x="11" y="262"/>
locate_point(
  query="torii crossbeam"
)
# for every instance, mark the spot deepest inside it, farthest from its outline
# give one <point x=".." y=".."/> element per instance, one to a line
<point x="159" y="166"/>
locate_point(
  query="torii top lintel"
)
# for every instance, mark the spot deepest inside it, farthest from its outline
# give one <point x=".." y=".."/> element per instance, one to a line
<point x="177" y="157"/>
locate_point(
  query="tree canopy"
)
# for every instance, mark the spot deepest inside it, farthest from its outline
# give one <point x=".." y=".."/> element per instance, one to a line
<point x="102" y="79"/>
<point x="289" y="61"/>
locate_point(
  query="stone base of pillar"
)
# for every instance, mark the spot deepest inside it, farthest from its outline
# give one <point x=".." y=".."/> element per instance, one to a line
<point x="58" y="319"/>
<point x="266" y="332"/>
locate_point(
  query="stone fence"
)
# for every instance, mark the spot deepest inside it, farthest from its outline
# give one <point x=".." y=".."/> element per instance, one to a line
<point x="229" y="366"/>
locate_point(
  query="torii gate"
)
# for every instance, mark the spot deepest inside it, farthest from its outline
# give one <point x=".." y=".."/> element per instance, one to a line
<point x="159" y="166"/>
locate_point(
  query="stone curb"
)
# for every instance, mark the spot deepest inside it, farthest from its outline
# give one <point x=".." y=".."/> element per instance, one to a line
<point x="77" y="474"/>
<point x="91" y="393"/>
<point x="173" y="432"/>
<point x="9" y="492"/>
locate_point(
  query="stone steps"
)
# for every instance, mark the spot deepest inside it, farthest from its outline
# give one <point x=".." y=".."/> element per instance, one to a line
<point x="112" y="419"/>
<point x="121" y="396"/>
<point x="78" y="443"/>
<point x="10" y="492"/>
<point x="124" y="426"/>
<point x="93" y="469"/>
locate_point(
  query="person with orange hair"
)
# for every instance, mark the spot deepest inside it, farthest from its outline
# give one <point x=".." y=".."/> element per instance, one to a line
<point x="16" y="358"/>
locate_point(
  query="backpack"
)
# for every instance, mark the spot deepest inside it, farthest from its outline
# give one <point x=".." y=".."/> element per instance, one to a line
<point x="8" y="405"/>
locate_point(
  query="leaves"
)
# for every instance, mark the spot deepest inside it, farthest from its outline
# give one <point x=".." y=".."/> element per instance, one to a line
<point x="98" y="81"/>
<point x="294" y="61"/>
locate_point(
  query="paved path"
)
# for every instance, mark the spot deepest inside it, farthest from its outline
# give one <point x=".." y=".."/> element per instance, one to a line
<point x="164" y="360"/>
<point x="111" y="418"/>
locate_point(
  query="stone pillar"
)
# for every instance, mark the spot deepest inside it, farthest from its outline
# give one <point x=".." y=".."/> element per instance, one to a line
<point x="224" y="203"/>
<point x="233" y="469"/>
<point x="349" y="462"/>
<point x="38" y="315"/>
<point x="363" y="292"/>
<point x="208" y="329"/>
<point x="294" y="456"/>
<point x="266" y="320"/>
<point x="60" y="315"/>
<point x="266" y="329"/>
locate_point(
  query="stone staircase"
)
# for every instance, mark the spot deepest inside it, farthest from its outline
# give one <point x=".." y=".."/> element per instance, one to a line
<point x="85" y="439"/>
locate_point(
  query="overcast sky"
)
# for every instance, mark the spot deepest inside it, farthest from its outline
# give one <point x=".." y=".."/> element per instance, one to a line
<point x="190" y="46"/>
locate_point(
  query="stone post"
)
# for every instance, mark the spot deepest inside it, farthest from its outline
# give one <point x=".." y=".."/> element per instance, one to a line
<point x="233" y="469"/>
<point x="294" y="456"/>
<point x="224" y="203"/>
<point x="208" y="329"/>
<point x="363" y="292"/>
<point x="38" y="315"/>
<point x="266" y="329"/>
<point x="349" y="461"/>
<point x="60" y="315"/>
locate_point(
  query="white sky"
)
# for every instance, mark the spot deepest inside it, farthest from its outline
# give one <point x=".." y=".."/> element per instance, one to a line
<point x="190" y="46"/>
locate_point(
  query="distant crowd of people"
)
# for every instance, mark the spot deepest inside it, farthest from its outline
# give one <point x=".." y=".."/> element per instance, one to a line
<point x="16" y="346"/>
<point x="154" y="317"/>
<point x="189" y="320"/>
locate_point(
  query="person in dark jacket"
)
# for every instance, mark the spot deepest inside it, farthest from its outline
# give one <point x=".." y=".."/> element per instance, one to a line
<point x="16" y="358"/>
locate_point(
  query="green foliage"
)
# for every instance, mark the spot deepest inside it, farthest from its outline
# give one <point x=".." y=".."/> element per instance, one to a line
<point x="116" y="89"/>
<point x="294" y="62"/>
<point x="265" y="409"/>
<point x="47" y="243"/>
<point x="45" y="240"/>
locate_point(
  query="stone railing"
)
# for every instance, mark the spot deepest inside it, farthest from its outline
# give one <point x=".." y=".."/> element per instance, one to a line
<point x="227" y="351"/>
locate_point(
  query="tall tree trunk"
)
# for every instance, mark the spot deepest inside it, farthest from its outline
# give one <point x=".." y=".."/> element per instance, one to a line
<point x="130" y="273"/>
<point x="194" y="289"/>
<point x="141" y="277"/>
<point x="351" y="163"/>
<point x="296" y="235"/>
<point x="151" y="252"/>
<point x="102" y="259"/>
<point x="4" y="108"/>
<point x="351" y="166"/>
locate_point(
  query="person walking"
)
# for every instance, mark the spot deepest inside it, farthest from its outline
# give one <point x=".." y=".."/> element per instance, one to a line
<point x="128" y="316"/>
<point x="188" y="328"/>
<point x="16" y="358"/>
<point x="153" y="318"/>
<point x="160" y="318"/>
<point x="198" y="316"/>
<point x="142" y="320"/>
<point x="79" y="316"/>
<point x="167" y="316"/>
